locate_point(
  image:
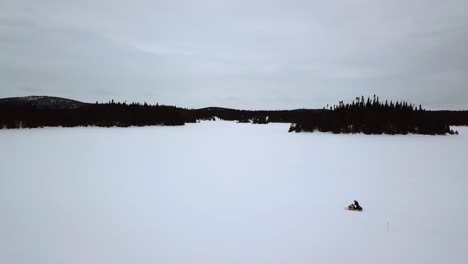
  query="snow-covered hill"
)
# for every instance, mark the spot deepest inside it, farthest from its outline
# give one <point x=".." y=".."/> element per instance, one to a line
<point x="43" y="102"/>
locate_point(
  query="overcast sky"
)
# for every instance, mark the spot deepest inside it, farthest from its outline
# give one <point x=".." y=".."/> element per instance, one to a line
<point x="246" y="54"/>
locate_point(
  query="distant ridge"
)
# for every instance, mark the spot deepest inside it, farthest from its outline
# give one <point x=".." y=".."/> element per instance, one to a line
<point x="41" y="102"/>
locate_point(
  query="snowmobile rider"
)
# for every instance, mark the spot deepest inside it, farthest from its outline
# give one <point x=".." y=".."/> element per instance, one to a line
<point x="357" y="206"/>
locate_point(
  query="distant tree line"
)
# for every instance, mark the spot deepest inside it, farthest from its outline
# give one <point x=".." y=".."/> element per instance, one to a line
<point x="371" y="116"/>
<point x="28" y="115"/>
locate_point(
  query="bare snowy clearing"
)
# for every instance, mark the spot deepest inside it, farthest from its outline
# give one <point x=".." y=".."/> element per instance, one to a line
<point x="221" y="192"/>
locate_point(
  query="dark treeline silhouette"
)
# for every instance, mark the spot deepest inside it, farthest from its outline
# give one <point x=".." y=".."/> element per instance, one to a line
<point x="255" y="116"/>
<point x="32" y="115"/>
<point x="369" y="116"/>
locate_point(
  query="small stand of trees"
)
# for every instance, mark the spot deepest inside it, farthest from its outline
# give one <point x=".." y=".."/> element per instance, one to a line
<point x="371" y="116"/>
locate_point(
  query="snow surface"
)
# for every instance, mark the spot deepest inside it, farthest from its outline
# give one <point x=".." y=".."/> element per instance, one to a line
<point x="223" y="192"/>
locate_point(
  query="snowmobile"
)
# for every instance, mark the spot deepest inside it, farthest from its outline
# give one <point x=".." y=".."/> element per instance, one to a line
<point x="354" y="206"/>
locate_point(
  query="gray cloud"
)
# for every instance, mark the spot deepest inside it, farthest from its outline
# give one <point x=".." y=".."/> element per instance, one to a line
<point x="246" y="54"/>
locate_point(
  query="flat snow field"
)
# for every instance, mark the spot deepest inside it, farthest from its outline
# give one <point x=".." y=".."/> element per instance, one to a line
<point x="221" y="192"/>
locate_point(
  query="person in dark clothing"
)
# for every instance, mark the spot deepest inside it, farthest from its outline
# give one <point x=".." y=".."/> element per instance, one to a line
<point x="356" y="204"/>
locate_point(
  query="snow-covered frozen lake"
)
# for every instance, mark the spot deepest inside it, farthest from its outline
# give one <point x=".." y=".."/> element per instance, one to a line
<point x="221" y="192"/>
